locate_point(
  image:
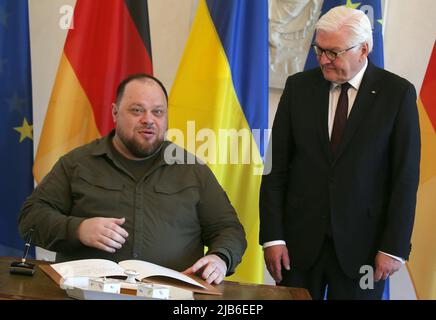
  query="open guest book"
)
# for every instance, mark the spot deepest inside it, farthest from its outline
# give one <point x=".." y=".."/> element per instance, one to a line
<point x="147" y="272"/>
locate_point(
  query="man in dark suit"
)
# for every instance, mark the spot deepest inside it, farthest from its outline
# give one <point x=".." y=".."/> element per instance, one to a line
<point x="340" y="199"/>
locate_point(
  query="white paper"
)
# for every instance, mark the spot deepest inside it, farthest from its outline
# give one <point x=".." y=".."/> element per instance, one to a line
<point x="88" y="268"/>
<point x="147" y="269"/>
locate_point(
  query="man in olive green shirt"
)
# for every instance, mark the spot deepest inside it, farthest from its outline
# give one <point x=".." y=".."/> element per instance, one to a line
<point x="120" y="198"/>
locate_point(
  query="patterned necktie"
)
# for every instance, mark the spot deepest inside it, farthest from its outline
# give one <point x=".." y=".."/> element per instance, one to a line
<point x="340" y="117"/>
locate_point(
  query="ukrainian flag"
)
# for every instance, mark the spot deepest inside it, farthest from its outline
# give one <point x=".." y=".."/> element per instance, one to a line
<point x="221" y="88"/>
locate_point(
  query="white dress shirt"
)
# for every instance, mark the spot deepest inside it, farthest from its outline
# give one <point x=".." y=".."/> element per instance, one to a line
<point x="335" y="91"/>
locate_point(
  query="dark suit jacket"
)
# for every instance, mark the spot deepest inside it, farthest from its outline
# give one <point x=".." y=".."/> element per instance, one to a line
<point x="365" y="194"/>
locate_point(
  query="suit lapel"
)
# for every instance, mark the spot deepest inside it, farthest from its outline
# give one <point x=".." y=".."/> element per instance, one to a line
<point x="362" y="104"/>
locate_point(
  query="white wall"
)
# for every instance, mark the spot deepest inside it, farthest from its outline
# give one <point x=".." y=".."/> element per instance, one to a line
<point x="170" y="22"/>
<point x="46" y="44"/>
<point x="409" y="38"/>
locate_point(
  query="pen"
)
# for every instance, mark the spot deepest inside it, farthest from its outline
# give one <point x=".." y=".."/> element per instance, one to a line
<point x="27" y="245"/>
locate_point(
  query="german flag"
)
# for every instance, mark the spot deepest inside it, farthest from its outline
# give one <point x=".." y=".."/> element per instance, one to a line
<point x="422" y="264"/>
<point x="109" y="40"/>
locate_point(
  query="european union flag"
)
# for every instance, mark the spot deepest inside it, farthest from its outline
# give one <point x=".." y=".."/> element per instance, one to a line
<point x="16" y="136"/>
<point x="373" y="10"/>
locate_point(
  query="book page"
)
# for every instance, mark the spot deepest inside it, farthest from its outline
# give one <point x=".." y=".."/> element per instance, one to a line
<point x="147" y="269"/>
<point x="88" y="268"/>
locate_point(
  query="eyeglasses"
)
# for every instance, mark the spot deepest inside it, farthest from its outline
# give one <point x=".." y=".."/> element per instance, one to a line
<point x="331" y="55"/>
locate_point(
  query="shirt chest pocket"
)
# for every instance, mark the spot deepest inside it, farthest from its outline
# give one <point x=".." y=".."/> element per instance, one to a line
<point x="177" y="200"/>
<point x="96" y="195"/>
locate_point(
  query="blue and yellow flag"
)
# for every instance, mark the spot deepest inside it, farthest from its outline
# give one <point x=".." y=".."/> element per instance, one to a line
<point x="373" y="10"/>
<point x="16" y="137"/>
<point x="219" y="105"/>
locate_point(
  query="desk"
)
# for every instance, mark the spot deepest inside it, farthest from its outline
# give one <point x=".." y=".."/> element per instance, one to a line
<point x="41" y="287"/>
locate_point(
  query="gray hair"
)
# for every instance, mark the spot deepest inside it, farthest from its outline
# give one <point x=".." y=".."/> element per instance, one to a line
<point x="354" y="20"/>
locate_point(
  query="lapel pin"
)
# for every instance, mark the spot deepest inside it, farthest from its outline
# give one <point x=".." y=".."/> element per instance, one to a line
<point x="373" y="92"/>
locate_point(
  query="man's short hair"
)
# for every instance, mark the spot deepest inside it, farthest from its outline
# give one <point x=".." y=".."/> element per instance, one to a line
<point x="138" y="76"/>
<point x="353" y="20"/>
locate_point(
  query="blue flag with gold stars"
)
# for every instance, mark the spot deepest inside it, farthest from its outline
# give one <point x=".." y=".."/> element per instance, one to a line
<point x="373" y="10"/>
<point x="16" y="136"/>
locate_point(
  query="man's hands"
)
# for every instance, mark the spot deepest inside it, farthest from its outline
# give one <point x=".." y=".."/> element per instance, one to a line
<point x="385" y="266"/>
<point x="211" y="267"/>
<point x="103" y="233"/>
<point x="275" y="257"/>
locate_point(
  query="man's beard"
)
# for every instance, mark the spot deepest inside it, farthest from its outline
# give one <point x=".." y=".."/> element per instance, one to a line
<point x="138" y="149"/>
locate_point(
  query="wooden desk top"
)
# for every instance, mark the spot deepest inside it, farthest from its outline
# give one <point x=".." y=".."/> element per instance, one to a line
<point x="41" y="287"/>
<point x="38" y="286"/>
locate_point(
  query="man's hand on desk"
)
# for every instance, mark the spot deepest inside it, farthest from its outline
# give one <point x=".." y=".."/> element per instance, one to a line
<point x="211" y="268"/>
<point x="103" y="233"/>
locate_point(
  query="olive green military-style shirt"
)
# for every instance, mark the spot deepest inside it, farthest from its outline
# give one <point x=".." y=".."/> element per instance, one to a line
<point x="171" y="213"/>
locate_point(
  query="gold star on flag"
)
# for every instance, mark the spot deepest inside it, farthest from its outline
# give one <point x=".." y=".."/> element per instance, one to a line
<point x="352" y="5"/>
<point x="25" y="130"/>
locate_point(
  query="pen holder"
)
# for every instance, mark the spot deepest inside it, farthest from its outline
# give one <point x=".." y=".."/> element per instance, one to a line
<point x="24" y="268"/>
